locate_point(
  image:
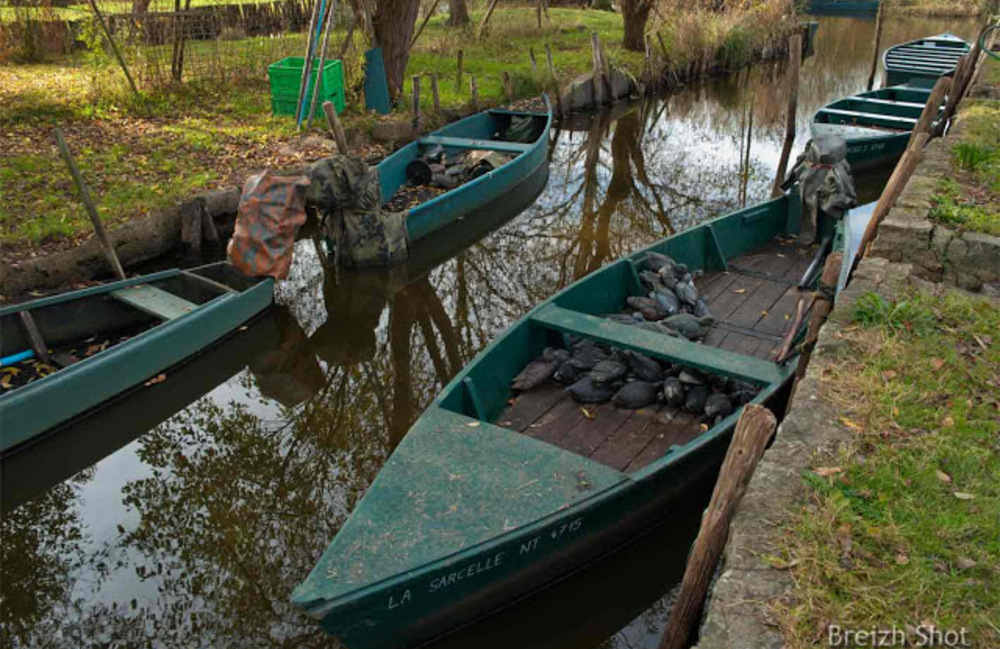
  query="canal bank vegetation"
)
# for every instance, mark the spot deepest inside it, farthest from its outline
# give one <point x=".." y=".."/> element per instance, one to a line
<point x="141" y="156"/>
<point x="943" y="8"/>
<point x="969" y="198"/>
<point x="903" y="527"/>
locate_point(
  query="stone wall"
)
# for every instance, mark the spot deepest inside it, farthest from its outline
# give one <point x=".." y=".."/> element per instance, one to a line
<point x="969" y="260"/>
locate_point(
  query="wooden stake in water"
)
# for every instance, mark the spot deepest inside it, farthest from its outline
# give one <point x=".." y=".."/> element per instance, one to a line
<point x="876" y="46"/>
<point x="555" y="80"/>
<point x="753" y="430"/>
<point x="598" y="72"/>
<point x="88" y="203"/>
<point x="794" y="67"/>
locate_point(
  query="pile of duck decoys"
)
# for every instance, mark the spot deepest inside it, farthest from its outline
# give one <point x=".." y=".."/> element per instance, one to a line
<point x="596" y="373"/>
<point x="672" y="305"/>
<point x="436" y="169"/>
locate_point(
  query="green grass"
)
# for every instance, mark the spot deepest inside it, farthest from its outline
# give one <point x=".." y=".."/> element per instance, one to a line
<point x="904" y="526"/>
<point x="179" y="140"/>
<point x="970" y="198"/>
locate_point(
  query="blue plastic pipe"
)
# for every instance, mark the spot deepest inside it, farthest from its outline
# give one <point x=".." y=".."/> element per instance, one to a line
<point x="16" y="358"/>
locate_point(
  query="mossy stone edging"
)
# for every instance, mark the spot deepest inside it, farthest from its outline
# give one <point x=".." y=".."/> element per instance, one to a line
<point x="938" y="253"/>
<point x="739" y="612"/>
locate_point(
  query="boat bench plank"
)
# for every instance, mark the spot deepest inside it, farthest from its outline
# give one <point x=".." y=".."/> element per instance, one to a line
<point x="154" y="301"/>
<point x="466" y="143"/>
<point x="875" y="101"/>
<point x="910" y="121"/>
<point x="694" y="355"/>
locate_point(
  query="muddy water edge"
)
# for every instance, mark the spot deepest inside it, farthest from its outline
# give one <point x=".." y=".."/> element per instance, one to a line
<point x="184" y="514"/>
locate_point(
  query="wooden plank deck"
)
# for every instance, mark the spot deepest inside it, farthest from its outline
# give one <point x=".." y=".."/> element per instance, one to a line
<point x="753" y="303"/>
<point x="622" y="439"/>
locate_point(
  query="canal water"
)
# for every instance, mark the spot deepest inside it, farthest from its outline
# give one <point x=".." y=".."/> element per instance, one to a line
<point x="184" y="515"/>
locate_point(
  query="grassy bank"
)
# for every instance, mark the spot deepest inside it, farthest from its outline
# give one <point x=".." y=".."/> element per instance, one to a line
<point x="969" y="197"/>
<point x="904" y="527"/>
<point x="181" y="140"/>
<point x="942" y="8"/>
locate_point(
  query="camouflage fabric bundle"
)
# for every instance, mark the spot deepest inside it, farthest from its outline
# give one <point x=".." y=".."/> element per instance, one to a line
<point x="272" y="207"/>
<point x="347" y="193"/>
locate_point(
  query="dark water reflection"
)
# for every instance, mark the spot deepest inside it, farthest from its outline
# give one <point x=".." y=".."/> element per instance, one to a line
<point x="184" y="516"/>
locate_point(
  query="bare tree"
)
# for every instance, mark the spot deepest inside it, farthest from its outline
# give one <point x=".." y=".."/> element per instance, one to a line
<point x="393" y="24"/>
<point x="635" y="13"/>
<point x="458" y="12"/>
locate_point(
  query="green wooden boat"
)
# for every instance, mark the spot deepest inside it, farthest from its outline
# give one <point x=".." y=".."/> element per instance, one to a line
<point x="842" y="7"/>
<point x="925" y="58"/>
<point x="876" y="125"/>
<point x="106" y="339"/>
<point x="487" y="499"/>
<point x="485" y="131"/>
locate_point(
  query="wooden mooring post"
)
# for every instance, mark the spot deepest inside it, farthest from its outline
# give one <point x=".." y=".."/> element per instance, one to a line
<point x="434" y="92"/>
<point x="88" y="203"/>
<point x="876" y="46"/>
<point x="821" y="307"/>
<point x="794" y="68"/>
<point x="753" y="430"/>
<point x="555" y="80"/>
<point x="931" y="108"/>
<point x="598" y="73"/>
<point x="336" y="130"/>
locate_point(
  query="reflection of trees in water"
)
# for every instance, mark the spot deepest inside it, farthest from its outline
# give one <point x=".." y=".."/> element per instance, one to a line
<point x="41" y="546"/>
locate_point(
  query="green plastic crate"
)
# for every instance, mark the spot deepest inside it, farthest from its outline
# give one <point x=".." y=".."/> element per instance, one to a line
<point x="286" y="75"/>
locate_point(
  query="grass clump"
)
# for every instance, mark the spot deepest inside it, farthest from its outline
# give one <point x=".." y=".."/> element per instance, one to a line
<point x="904" y="528"/>
<point x="970" y="199"/>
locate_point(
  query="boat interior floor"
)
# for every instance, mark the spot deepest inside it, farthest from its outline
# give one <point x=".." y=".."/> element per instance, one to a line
<point x="753" y="302"/>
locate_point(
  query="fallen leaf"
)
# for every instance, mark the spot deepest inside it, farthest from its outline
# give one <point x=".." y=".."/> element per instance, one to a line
<point x="964" y="563"/>
<point x="826" y="471"/>
<point x="937" y="363"/>
<point x="764" y="313"/>
<point x="902" y="559"/>
<point x="740" y="291"/>
<point x="961" y="495"/>
<point x="788" y="317"/>
<point x="948" y="422"/>
<point x="159" y="378"/>
<point x="703" y="427"/>
<point x="889" y="375"/>
<point x="853" y="425"/>
<point x="942" y="476"/>
<point x="587" y="413"/>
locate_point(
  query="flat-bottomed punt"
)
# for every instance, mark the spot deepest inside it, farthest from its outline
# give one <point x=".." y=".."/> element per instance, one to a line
<point x="485" y="131"/>
<point x="925" y="58"/>
<point x="876" y="125"/>
<point x="107" y="339"/>
<point x="488" y="497"/>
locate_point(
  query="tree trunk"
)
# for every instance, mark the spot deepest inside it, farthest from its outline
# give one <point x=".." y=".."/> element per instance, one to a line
<point x="140" y="6"/>
<point x="635" y="13"/>
<point x="458" y="12"/>
<point x="393" y="23"/>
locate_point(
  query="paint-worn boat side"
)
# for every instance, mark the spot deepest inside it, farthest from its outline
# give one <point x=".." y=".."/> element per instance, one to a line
<point x="876" y="125"/>
<point x="842" y="7"/>
<point x="29" y="411"/>
<point x="470" y="133"/>
<point x="923" y="59"/>
<point x="469" y="515"/>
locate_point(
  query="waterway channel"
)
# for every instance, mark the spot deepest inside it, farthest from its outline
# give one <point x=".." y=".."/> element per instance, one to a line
<point x="184" y="515"/>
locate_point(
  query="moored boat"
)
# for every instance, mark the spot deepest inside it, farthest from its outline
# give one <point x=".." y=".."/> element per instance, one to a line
<point x="82" y="348"/>
<point x="842" y="7"/>
<point x="925" y="58"/>
<point x="520" y="138"/>
<point x="876" y="125"/>
<point x="491" y="496"/>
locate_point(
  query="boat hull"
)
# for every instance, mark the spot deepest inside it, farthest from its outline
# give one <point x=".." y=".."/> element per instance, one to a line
<point x="465" y="134"/>
<point x="925" y="59"/>
<point x="29" y="411"/>
<point x="868" y="151"/>
<point x="476" y="583"/>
